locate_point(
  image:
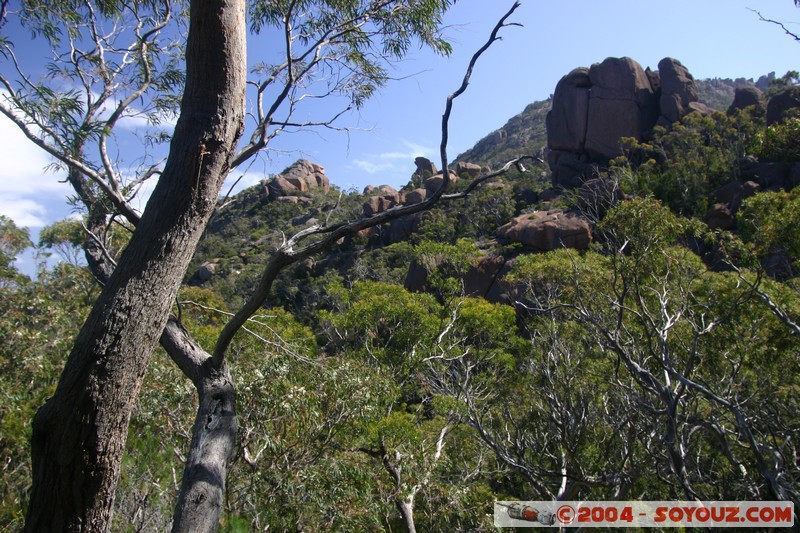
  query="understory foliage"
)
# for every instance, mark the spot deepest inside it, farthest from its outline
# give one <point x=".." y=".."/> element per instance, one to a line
<point x="39" y="321"/>
<point x="683" y="164"/>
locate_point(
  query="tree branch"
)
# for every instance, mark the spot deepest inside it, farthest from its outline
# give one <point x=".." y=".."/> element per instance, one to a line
<point x="779" y="24"/>
<point x="287" y="254"/>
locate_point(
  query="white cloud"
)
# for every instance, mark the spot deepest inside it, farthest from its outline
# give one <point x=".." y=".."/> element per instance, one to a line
<point x="134" y="118"/>
<point x="23" y="167"/>
<point x="24" y="211"/>
<point x="139" y="202"/>
<point x="34" y="196"/>
<point x="398" y="161"/>
<point x="240" y="181"/>
<point x="373" y="168"/>
<point x="133" y="122"/>
<point x="26" y="188"/>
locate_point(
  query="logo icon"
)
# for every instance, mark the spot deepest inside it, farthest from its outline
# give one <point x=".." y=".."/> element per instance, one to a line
<point x="527" y="513"/>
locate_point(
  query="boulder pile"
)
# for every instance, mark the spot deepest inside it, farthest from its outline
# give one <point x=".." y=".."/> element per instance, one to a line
<point x="299" y="178"/>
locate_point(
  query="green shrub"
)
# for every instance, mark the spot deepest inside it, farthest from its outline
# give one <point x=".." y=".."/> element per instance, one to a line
<point x="781" y="142"/>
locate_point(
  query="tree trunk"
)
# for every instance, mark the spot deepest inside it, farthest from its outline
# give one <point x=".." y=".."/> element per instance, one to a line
<point x="79" y="434"/>
<point x="201" y="496"/>
<point x="406" y="508"/>
<point x="202" y="493"/>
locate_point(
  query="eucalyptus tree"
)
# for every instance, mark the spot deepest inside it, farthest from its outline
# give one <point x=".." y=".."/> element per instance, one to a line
<point x="112" y="57"/>
<point x="692" y="371"/>
<point x="418" y="441"/>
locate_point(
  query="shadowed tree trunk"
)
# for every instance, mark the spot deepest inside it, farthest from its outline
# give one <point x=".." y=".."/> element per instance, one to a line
<point x="79" y="434"/>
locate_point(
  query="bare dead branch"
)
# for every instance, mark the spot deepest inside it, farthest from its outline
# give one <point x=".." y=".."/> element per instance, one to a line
<point x="779" y="24"/>
<point x="287" y="254"/>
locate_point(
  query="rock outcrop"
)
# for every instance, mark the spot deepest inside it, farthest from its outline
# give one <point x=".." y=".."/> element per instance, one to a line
<point x="622" y="103"/>
<point x="386" y="198"/>
<point x="678" y="92"/>
<point x="469" y="170"/>
<point x="425" y="167"/>
<point x="433" y="183"/>
<point x="782" y="104"/>
<point x="548" y="230"/>
<point x="594" y="107"/>
<point x="416" y="196"/>
<point x="371" y="190"/>
<point x="734" y="193"/>
<point x="744" y="97"/>
<point x="484" y="279"/>
<point x="726" y="201"/>
<point x="379" y="204"/>
<point x="720" y="216"/>
<point x="302" y="176"/>
<point x="206" y="271"/>
<point x="771" y="175"/>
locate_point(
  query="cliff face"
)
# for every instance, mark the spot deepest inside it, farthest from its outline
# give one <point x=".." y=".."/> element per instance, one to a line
<point x="527" y="132"/>
<point x="594" y="107"/>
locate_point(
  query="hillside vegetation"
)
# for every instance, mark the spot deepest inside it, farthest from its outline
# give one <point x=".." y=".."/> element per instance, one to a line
<point x="442" y="363"/>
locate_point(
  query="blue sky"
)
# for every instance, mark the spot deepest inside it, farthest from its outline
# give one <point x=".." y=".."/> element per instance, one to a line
<point x="712" y="38"/>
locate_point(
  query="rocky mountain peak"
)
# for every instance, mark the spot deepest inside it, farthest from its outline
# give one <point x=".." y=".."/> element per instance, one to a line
<point x="594" y="107"/>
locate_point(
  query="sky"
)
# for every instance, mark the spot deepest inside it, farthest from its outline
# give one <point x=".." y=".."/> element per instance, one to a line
<point x="712" y="38"/>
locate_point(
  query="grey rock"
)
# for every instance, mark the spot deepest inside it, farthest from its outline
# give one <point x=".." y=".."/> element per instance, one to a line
<point x="782" y="104"/>
<point x="720" y="216"/>
<point x="425" y="167"/>
<point x="677" y="89"/>
<point x="744" y="97"/>
<point x="206" y="272"/>
<point x="416" y="196"/>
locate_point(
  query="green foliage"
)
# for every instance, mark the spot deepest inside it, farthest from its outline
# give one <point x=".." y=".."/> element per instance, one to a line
<point x="643" y="224"/>
<point x="790" y="79"/>
<point x="681" y="166"/>
<point x="476" y="217"/>
<point x="13" y="240"/>
<point x="299" y="417"/>
<point x="446" y="265"/>
<point x="781" y="141"/>
<point x="770" y="220"/>
<point x="550" y="276"/>
<point x="486" y="210"/>
<point x="64" y="232"/>
<point x="65" y="237"/>
<point x="39" y="320"/>
<point x="438" y="224"/>
<point x="386" y="323"/>
<point x="157" y="440"/>
<point x="367" y="35"/>
<point x="347" y="371"/>
<point x="59" y="100"/>
<point x="384" y="263"/>
<point x="641" y="318"/>
<point x="424" y="347"/>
